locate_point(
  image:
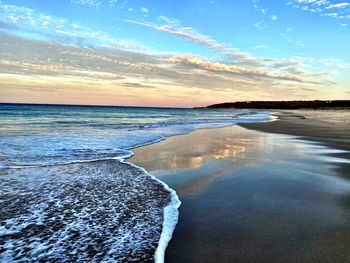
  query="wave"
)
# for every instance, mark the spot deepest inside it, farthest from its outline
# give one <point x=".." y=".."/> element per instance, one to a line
<point x="170" y="219"/>
<point x="110" y="211"/>
<point x="59" y="146"/>
<point x="170" y="211"/>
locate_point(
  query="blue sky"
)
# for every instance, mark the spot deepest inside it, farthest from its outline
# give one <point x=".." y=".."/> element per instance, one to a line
<point x="145" y="52"/>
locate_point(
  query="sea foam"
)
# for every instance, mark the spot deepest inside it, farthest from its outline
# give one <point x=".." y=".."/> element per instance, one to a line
<point x="103" y="211"/>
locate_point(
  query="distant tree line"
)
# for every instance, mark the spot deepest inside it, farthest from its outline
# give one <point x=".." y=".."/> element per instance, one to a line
<point x="295" y="104"/>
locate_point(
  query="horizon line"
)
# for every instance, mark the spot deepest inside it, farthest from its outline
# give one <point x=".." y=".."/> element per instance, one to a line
<point x="90" y="105"/>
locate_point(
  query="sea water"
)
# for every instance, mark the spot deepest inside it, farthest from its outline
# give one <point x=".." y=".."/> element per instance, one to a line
<point x="67" y="191"/>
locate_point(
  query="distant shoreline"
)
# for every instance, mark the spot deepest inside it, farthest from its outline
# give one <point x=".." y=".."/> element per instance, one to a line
<point x="285" y="105"/>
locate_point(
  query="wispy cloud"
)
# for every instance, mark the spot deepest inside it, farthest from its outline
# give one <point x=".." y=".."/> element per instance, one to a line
<point x="190" y="34"/>
<point x="286" y="63"/>
<point x="246" y="71"/>
<point x="332" y="62"/>
<point x="237" y="62"/>
<point x="325" y="8"/>
<point x="112" y="3"/>
<point x="338" y="5"/>
<point x="261" y="25"/>
<point x="120" y="69"/>
<point x="89" y="3"/>
<point x="264" y="11"/>
<point x="144" y="10"/>
<point x="51" y="28"/>
<point x="258" y="7"/>
<point x="261" y="47"/>
<point x="136" y="85"/>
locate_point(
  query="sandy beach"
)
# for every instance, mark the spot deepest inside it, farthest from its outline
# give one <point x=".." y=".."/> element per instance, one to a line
<point x="252" y="196"/>
<point x="328" y="126"/>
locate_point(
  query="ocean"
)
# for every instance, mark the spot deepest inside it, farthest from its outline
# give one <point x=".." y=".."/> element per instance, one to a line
<point x="68" y="192"/>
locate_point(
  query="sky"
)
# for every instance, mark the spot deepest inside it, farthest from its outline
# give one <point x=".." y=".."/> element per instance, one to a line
<point x="173" y="53"/>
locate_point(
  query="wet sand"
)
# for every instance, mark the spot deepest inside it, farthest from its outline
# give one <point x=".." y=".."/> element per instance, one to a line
<point x="250" y="196"/>
<point x="328" y="126"/>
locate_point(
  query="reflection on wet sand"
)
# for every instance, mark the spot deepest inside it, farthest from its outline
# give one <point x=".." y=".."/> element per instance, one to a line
<point x="254" y="197"/>
<point x="202" y="150"/>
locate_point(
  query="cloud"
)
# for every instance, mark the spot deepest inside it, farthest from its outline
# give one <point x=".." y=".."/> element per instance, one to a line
<point x="112" y="3"/>
<point x="189" y="34"/>
<point x="136" y="85"/>
<point x="186" y="33"/>
<point x="89" y="3"/>
<point x="171" y="21"/>
<point x="323" y="7"/>
<point x="335" y="63"/>
<point x="71" y="54"/>
<point x="261" y="25"/>
<point x="144" y="10"/>
<point x="40" y="59"/>
<point x="264" y="11"/>
<point x="331" y="14"/>
<point x="294" y="70"/>
<point x="40" y="63"/>
<point x="257" y="6"/>
<point x="338" y="5"/>
<point x="43" y="26"/>
<point x="286" y="63"/>
<point x="261" y="47"/>
<point x="246" y="71"/>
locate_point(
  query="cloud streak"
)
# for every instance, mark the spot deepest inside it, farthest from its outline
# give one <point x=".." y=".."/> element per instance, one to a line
<point x="191" y="35"/>
<point x="246" y="71"/>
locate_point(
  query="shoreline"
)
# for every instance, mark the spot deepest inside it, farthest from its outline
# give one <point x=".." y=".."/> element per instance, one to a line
<point x="170" y="213"/>
<point x="315" y="125"/>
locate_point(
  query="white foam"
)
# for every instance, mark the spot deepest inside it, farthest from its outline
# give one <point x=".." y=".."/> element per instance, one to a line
<point x="170" y="217"/>
<point x="25" y="148"/>
<point x="127" y="209"/>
